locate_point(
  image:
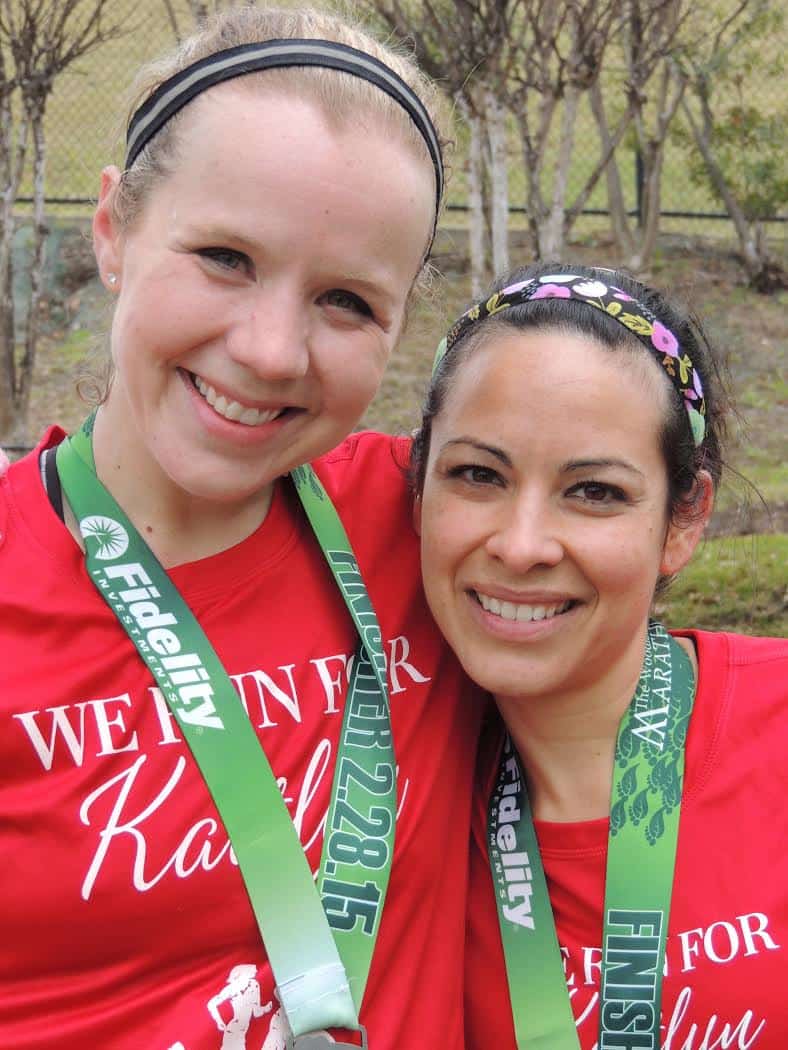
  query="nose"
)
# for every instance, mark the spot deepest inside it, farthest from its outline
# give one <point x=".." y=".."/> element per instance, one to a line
<point x="270" y="336"/>
<point x="526" y="534"/>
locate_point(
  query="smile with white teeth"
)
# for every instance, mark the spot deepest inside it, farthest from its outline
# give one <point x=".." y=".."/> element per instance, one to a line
<point x="232" y="410"/>
<point x="521" y="613"/>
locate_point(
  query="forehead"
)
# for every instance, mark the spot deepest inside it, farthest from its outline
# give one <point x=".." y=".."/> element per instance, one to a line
<point x="260" y="161"/>
<point x="555" y="387"/>
<point x="273" y="115"/>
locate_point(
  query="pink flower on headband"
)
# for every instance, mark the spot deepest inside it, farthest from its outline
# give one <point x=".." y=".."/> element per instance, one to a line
<point x="621" y="295"/>
<point x="664" y="340"/>
<point x="552" y="291"/>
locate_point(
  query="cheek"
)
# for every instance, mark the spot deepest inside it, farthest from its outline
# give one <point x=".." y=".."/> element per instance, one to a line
<point x="351" y="376"/>
<point x="627" y="561"/>
<point x="444" y="543"/>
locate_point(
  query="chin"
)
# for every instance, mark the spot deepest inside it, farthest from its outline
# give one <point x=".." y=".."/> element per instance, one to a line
<point x="215" y="486"/>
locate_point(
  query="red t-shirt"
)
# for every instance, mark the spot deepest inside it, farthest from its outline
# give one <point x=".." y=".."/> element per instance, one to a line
<point x="727" y="949"/>
<point x="125" y="920"/>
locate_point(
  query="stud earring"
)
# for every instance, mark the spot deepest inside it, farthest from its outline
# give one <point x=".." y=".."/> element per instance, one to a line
<point x="112" y="279"/>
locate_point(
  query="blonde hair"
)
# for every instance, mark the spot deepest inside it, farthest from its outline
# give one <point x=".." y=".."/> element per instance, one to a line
<point x="341" y="97"/>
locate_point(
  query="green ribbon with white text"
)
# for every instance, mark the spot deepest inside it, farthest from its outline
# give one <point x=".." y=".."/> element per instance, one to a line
<point x="319" y="944"/>
<point x="644" y="820"/>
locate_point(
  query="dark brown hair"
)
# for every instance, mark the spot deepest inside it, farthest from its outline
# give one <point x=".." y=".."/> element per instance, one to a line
<point x="683" y="459"/>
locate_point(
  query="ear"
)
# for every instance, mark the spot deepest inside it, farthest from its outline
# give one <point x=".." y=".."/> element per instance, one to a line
<point x="683" y="536"/>
<point x="417" y="515"/>
<point x="107" y="238"/>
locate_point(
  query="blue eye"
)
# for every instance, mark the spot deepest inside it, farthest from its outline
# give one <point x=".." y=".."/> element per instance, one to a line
<point x="345" y="300"/>
<point x="226" y="258"/>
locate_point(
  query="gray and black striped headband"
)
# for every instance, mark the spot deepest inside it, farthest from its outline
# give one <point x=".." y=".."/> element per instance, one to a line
<point x="178" y="90"/>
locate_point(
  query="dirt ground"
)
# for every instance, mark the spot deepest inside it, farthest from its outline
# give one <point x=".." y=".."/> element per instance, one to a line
<point x="705" y="275"/>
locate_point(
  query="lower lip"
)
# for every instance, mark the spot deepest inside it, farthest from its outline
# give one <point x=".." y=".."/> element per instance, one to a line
<point x="228" y="429"/>
<point x="520" y="630"/>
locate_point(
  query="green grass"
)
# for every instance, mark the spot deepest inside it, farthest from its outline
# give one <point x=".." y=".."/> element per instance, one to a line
<point x="762" y="479"/>
<point x="736" y="583"/>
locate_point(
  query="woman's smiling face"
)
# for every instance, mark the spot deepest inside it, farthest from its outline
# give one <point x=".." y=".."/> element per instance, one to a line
<point x="544" y="517"/>
<point x="260" y="291"/>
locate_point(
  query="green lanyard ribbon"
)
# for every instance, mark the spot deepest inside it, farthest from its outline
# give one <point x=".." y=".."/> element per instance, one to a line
<point x="320" y="940"/>
<point x="644" y="820"/>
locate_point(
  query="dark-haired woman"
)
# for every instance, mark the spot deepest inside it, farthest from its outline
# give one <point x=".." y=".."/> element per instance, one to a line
<point x="629" y="872"/>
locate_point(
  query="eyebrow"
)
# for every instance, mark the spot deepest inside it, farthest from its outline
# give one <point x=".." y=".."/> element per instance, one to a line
<point x="492" y="450"/>
<point x="569" y="467"/>
<point x="573" y="465"/>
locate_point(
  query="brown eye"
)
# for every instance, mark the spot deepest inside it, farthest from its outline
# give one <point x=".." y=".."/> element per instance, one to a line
<point x="474" y="474"/>
<point x="598" y="492"/>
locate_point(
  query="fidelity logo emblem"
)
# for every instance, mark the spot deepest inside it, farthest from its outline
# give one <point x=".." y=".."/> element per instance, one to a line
<point x="111" y="538"/>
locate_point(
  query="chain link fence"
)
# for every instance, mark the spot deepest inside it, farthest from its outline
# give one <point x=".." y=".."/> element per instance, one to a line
<point x="85" y="118"/>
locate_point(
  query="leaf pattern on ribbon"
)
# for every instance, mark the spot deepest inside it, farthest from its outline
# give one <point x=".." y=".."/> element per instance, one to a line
<point x="672" y="790"/>
<point x="678" y="737"/>
<point x="639" y="809"/>
<point x="656" y="828"/>
<point x="618" y="816"/>
<point x="629" y="783"/>
<point x="658" y="777"/>
<point x="627" y="748"/>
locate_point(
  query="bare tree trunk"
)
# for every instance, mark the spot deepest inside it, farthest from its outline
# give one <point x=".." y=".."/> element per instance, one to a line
<point x="552" y="240"/>
<point x="606" y="159"/>
<point x="172" y="19"/>
<point x="755" y="259"/>
<point x="40" y="231"/>
<point x="534" y="150"/>
<point x="653" y="151"/>
<point x="13" y="149"/>
<point x="643" y="246"/>
<point x="476" y="223"/>
<point x="7" y="437"/>
<point x="495" y="119"/>
<point x="619" y="220"/>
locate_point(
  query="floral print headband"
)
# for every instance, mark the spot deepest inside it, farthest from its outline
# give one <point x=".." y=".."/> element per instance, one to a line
<point x="616" y="303"/>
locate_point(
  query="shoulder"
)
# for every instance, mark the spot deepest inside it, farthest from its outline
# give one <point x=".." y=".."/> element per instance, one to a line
<point x="25" y="512"/>
<point x="737" y="650"/>
<point x="366" y="478"/>
<point x="370" y="457"/>
<point x="13" y="476"/>
<point x="738" y="660"/>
